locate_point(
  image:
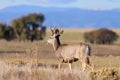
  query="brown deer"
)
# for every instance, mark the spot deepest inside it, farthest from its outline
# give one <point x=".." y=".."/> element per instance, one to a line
<point x="69" y="53"/>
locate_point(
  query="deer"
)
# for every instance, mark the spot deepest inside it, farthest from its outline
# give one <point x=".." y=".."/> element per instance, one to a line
<point x="69" y="53"/>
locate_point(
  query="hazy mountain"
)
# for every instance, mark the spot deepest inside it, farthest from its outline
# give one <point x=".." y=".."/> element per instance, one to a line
<point x="66" y="17"/>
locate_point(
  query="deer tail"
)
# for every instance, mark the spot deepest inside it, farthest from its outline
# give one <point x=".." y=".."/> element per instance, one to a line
<point x="88" y="50"/>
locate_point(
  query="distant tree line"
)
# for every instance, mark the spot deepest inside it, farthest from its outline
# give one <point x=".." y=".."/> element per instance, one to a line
<point x="24" y="28"/>
<point x="101" y="36"/>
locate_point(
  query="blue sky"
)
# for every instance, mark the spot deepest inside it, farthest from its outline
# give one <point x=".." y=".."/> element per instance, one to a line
<point x="86" y="4"/>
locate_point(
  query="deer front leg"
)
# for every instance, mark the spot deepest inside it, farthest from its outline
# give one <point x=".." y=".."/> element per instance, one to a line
<point x="70" y="66"/>
<point x="59" y="65"/>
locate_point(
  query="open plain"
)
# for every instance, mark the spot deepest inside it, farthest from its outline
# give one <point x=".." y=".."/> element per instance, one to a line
<point x="36" y="60"/>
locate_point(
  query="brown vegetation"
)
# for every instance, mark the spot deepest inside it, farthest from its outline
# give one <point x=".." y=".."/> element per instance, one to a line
<point x="101" y="36"/>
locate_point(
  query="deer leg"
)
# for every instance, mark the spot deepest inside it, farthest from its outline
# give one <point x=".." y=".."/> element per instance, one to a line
<point x="59" y="65"/>
<point x="88" y="62"/>
<point x="81" y="62"/>
<point x="91" y="66"/>
<point x="84" y="66"/>
<point x="70" y="66"/>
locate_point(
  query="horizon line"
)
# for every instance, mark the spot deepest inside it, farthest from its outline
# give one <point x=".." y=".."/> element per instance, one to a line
<point x="95" y="9"/>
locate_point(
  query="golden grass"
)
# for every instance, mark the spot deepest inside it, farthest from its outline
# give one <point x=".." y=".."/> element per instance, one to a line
<point x="22" y="69"/>
<point x="27" y="72"/>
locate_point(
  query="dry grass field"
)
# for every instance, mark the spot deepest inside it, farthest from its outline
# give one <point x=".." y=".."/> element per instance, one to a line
<point x="36" y="61"/>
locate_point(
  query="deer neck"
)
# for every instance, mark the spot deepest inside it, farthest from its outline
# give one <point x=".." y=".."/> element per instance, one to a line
<point x="56" y="43"/>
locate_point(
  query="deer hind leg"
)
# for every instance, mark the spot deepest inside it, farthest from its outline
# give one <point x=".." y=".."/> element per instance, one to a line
<point x="89" y="64"/>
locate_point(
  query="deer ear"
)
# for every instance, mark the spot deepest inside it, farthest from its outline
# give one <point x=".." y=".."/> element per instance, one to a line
<point x="52" y="31"/>
<point x="61" y="32"/>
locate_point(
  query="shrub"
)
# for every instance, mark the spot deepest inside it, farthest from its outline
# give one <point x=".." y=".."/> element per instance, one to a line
<point x="101" y="36"/>
<point x="9" y="33"/>
<point x="105" y="74"/>
<point x="6" y="32"/>
<point x="2" y="26"/>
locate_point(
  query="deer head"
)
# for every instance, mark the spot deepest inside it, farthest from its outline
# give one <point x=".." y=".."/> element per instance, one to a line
<point x="54" y="38"/>
<point x="55" y="31"/>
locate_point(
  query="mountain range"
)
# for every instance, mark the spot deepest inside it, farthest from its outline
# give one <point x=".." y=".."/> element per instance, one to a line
<point x="65" y="17"/>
